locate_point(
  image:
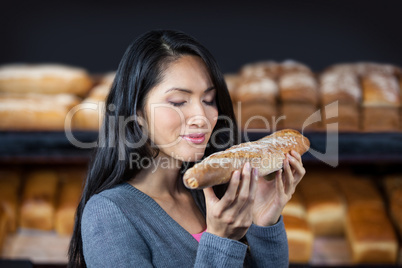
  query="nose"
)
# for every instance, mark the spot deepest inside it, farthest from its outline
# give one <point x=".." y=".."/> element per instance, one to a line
<point x="197" y="117"/>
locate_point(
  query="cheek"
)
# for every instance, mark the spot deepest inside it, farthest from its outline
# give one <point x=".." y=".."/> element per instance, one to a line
<point x="166" y="118"/>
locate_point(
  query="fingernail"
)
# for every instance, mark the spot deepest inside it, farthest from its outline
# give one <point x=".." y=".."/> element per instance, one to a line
<point x="255" y="173"/>
<point x="247" y="166"/>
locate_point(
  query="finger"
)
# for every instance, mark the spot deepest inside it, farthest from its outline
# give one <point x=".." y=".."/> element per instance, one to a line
<point x="298" y="169"/>
<point x="231" y="192"/>
<point x="279" y="182"/>
<point x="296" y="155"/>
<point x="210" y="196"/>
<point x="288" y="175"/>
<point x="244" y="191"/>
<point x="254" y="183"/>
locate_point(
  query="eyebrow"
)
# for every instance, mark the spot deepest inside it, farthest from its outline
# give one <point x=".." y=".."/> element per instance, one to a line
<point x="187" y="90"/>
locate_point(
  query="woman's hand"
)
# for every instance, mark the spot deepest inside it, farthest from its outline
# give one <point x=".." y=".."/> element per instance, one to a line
<point x="231" y="216"/>
<point x="272" y="196"/>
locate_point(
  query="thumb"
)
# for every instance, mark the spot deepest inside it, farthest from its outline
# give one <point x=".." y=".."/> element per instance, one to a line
<point x="210" y="196"/>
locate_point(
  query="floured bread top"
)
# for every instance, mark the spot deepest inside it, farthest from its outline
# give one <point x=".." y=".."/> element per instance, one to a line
<point x="39" y="71"/>
<point x="386" y="85"/>
<point x="297" y="80"/>
<point x="261" y="85"/>
<point x="333" y="82"/>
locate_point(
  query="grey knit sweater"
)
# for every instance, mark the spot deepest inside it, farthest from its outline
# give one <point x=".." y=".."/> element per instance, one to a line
<point x="123" y="227"/>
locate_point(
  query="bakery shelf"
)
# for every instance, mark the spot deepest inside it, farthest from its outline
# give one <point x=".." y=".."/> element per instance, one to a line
<point x="54" y="147"/>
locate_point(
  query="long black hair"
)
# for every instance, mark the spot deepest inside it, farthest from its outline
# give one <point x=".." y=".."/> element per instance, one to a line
<point x="141" y="69"/>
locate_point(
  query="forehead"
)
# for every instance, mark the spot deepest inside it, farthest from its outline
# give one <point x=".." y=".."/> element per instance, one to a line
<point x="188" y="72"/>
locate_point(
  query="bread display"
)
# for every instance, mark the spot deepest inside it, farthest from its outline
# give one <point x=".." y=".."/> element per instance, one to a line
<point x="256" y="115"/>
<point x="266" y="154"/>
<point x="33" y="111"/>
<point x="44" y="79"/>
<point x="10" y="181"/>
<point x="324" y="205"/>
<point x="68" y="199"/>
<point x="38" y="200"/>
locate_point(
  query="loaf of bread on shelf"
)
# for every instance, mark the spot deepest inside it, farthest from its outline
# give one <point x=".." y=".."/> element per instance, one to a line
<point x="341" y="85"/>
<point x="371" y="236"/>
<point x="324" y="204"/>
<point x="44" y="78"/>
<point x="381" y="102"/>
<point x="35" y="111"/>
<point x="38" y="200"/>
<point x="380" y="90"/>
<point x="266" y="154"/>
<point x="257" y="88"/>
<point x="299" y="87"/>
<point x="10" y="182"/>
<point x="70" y="193"/>
<point x="300" y="239"/>
<point x="360" y="192"/>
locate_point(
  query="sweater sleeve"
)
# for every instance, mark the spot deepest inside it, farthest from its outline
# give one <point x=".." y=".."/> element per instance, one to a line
<point x="109" y="239"/>
<point x="268" y="245"/>
<point x="215" y="251"/>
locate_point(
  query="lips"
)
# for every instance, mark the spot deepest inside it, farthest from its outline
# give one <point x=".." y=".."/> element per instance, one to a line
<point x="195" y="137"/>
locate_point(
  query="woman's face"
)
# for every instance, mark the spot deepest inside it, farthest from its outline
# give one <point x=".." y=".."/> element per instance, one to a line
<point x="181" y="111"/>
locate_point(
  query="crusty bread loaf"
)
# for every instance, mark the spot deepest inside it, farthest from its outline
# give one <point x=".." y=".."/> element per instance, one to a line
<point x="300" y="239"/>
<point x="44" y="78"/>
<point x="266" y="154"/>
<point x="298" y="87"/>
<point x="371" y="236"/>
<point x="324" y="204"/>
<point x="70" y="193"/>
<point x="340" y="85"/>
<point x="380" y="90"/>
<point x="38" y="200"/>
<point x="10" y="181"/>
<point x="35" y="111"/>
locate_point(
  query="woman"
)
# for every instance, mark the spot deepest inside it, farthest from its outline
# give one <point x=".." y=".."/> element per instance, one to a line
<point x="168" y="108"/>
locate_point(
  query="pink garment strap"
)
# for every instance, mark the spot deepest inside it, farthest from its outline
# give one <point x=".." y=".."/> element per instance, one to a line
<point x="198" y="236"/>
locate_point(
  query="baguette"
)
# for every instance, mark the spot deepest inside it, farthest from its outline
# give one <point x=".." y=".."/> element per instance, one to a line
<point x="266" y="154"/>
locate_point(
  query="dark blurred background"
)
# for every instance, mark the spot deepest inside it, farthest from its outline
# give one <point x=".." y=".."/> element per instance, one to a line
<point x="95" y="34"/>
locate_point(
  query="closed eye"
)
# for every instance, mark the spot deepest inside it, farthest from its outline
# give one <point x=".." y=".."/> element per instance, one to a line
<point x="177" y="104"/>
